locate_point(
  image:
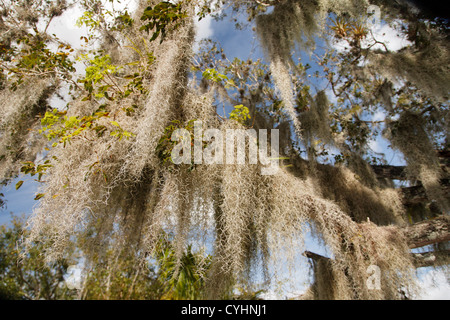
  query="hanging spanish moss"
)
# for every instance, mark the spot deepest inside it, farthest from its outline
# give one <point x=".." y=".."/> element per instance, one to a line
<point x="359" y="201"/>
<point x="279" y="31"/>
<point x="102" y="177"/>
<point x="124" y="195"/>
<point x="20" y="110"/>
<point x="316" y="124"/>
<point x="357" y="247"/>
<point x="408" y="135"/>
<point x="426" y="67"/>
<point x="291" y="25"/>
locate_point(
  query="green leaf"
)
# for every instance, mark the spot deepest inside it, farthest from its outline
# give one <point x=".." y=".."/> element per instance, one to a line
<point x="39" y="196"/>
<point x="19" y="184"/>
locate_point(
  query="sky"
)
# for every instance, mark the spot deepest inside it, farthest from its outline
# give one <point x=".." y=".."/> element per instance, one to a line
<point x="242" y="44"/>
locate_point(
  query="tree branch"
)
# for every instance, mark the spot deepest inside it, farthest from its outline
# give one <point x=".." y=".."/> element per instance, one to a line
<point x="398" y="172"/>
<point x="431" y="258"/>
<point x="420" y="260"/>
<point x="428" y="232"/>
<point x="390" y="172"/>
<point x="417" y="194"/>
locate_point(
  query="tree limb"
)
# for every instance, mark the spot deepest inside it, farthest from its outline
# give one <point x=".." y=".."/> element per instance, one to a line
<point x="428" y="232"/>
<point x="431" y="258"/>
<point x="389" y="172"/>
<point x="398" y="172"/>
<point x="422" y="259"/>
<point x="420" y="234"/>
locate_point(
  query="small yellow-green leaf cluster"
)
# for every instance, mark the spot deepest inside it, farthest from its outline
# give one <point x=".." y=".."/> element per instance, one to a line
<point x="120" y="132"/>
<point x="240" y="114"/>
<point x="57" y="125"/>
<point x="217" y="77"/>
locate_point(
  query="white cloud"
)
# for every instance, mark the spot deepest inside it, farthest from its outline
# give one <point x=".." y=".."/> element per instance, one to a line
<point x="390" y="35"/>
<point x="73" y="278"/>
<point x="379" y="116"/>
<point x="65" y="26"/>
<point x="376" y="146"/>
<point x="435" y="286"/>
<point x="65" y="29"/>
<point x="204" y="28"/>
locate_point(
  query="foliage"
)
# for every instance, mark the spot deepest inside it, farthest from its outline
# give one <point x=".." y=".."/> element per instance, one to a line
<point x="214" y="75"/>
<point x="57" y="125"/>
<point x="100" y="71"/>
<point x="184" y="278"/>
<point x="99" y="19"/>
<point x="88" y="20"/>
<point x="164" y="17"/>
<point x="348" y="28"/>
<point x="120" y="282"/>
<point x="28" y="277"/>
<point x="162" y="278"/>
<point x="247" y="82"/>
<point x="25" y="46"/>
<point x="324" y="110"/>
<point x="29" y="167"/>
<point x="32" y="57"/>
<point x="240" y="114"/>
<point x="166" y="144"/>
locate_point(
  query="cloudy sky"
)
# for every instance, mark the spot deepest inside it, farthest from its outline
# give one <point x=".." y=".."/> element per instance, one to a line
<point x="241" y="44"/>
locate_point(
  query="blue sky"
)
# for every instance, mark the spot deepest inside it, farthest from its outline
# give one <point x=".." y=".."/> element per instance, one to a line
<point x="244" y="45"/>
